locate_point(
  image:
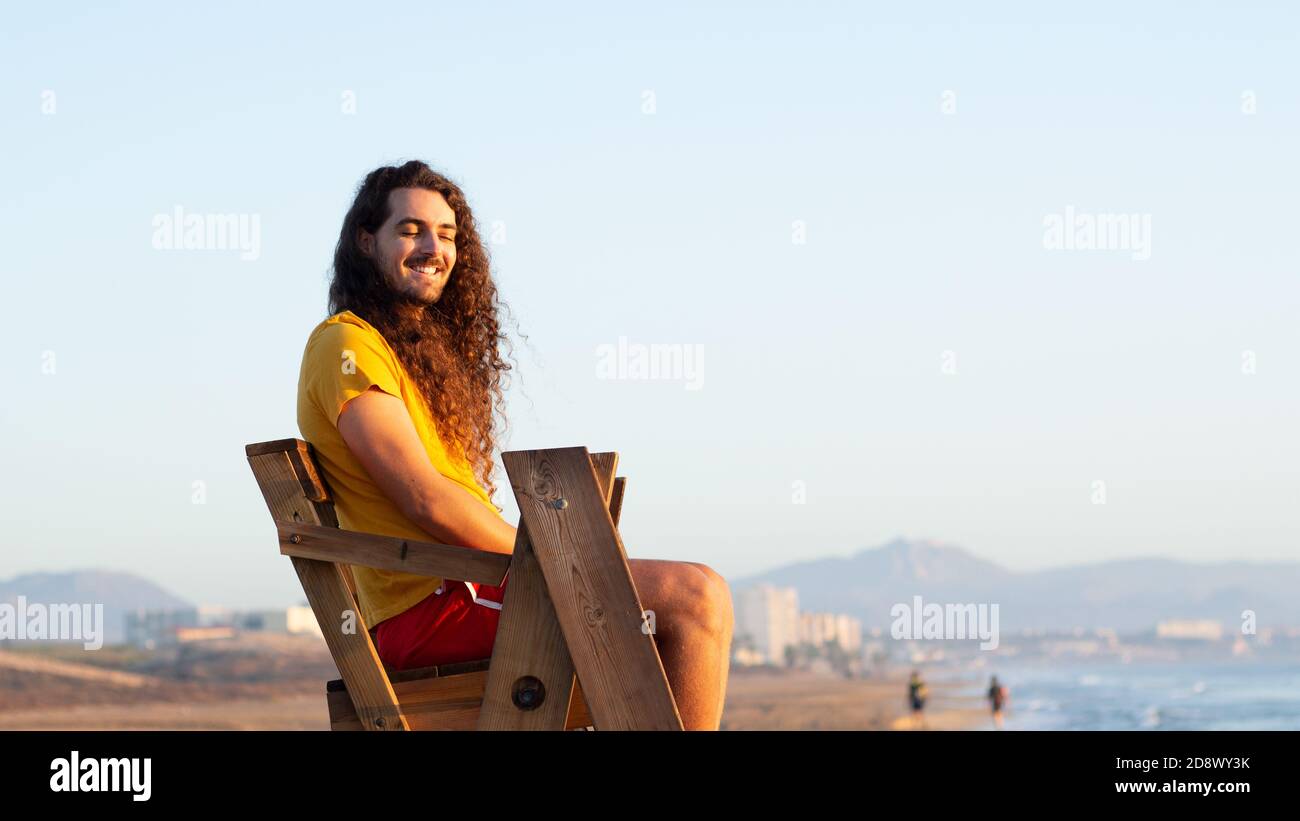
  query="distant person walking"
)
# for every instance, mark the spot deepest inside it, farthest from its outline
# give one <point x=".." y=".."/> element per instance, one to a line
<point x="917" y="692"/>
<point x="998" y="696"/>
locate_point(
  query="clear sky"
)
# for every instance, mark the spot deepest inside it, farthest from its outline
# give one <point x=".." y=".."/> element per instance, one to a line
<point x="843" y="205"/>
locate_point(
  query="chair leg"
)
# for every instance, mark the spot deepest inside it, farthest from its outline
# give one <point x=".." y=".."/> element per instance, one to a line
<point x="530" y="680"/>
<point x="564" y="509"/>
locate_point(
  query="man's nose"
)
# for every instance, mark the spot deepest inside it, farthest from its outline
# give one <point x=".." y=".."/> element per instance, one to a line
<point x="431" y="245"/>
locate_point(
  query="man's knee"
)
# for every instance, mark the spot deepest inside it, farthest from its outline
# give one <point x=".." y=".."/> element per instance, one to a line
<point x="684" y="592"/>
<point x="715" y="599"/>
<point x="712" y="574"/>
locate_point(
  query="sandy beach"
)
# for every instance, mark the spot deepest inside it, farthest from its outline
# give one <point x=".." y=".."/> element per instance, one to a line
<point x="220" y="691"/>
<point x="764" y="699"/>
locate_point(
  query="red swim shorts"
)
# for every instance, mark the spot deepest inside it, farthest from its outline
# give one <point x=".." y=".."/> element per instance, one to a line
<point x="457" y="622"/>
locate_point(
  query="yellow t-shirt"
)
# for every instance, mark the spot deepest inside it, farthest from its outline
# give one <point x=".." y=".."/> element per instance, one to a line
<point x="344" y="357"/>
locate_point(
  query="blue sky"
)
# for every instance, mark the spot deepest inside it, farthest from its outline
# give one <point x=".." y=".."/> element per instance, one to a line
<point x="921" y="362"/>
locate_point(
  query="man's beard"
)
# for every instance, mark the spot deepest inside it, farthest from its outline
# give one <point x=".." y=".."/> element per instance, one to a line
<point x="408" y="298"/>
<point x="415" y="326"/>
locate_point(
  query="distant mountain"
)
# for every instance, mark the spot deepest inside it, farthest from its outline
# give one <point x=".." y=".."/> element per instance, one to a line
<point x="118" y="592"/>
<point x="1129" y="595"/>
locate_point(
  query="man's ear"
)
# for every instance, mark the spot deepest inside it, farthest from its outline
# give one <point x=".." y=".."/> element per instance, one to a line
<point x="366" y="241"/>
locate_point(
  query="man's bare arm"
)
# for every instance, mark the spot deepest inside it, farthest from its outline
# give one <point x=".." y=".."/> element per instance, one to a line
<point x="378" y="431"/>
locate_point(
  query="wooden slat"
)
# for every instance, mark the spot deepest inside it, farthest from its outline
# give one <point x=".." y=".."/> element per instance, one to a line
<point x="283" y="492"/>
<point x="354" y="653"/>
<point x="529" y="641"/>
<point x="605" y="464"/>
<point x="304" y="498"/>
<point x="590" y="584"/>
<point x="453" y="669"/>
<point x="442" y="703"/>
<point x="392" y="553"/>
<point x="330" y="596"/>
<point x="304" y="463"/>
<point x="616" y="500"/>
<point x="275" y="446"/>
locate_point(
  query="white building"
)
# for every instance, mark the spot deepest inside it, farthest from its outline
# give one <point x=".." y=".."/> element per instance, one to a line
<point x="282" y="620"/>
<point x="769" y="615"/>
<point x="819" y="628"/>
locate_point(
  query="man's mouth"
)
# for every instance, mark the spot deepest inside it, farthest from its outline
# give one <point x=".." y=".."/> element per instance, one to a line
<point x="426" y="268"/>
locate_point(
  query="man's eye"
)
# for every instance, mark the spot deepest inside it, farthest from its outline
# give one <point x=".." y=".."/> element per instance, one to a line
<point x="410" y="233"/>
<point x="448" y="239"/>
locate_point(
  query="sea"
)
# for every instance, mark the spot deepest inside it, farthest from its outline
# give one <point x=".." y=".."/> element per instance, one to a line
<point x="1249" y="695"/>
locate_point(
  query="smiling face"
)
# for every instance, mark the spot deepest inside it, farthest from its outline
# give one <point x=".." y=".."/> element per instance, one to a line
<point x="415" y="248"/>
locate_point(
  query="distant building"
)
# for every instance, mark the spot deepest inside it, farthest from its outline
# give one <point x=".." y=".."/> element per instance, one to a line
<point x="153" y="628"/>
<point x="1068" y="647"/>
<point x="1200" y="629"/>
<point x="769" y="617"/>
<point x="184" y="634"/>
<point x="819" y="628"/>
<point x="283" y="620"/>
<point x="150" y="628"/>
<point x="212" y="616"/>
<point x="748" y="657"/>
<point x="302" y="620"/>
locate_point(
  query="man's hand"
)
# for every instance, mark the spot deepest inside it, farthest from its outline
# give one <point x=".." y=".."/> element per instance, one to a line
<point x="378" y="431"/>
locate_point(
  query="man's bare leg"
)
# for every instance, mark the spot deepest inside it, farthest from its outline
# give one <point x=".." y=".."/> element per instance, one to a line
<point x="693" y="626"/>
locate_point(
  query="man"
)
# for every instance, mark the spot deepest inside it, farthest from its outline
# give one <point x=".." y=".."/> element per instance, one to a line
<point x="917" y="693"/>
<point x="397" y="393"/>
<point x="998" y="695"/>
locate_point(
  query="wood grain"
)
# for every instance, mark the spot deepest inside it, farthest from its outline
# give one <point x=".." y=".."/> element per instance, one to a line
<point x="329" y="593"/>
<point x="530" y="642"/>
<point x="392" y="553"/>
<point x="570" y="528"/>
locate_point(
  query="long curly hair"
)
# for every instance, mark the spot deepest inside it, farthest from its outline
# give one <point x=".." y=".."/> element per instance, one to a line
<point x="451" y="348"/>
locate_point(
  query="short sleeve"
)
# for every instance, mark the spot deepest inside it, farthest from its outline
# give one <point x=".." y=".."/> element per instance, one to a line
<point x="343" y="360"/>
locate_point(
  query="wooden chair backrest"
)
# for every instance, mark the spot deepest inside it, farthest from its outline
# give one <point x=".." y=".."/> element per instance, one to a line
<point x="294" y="491"/>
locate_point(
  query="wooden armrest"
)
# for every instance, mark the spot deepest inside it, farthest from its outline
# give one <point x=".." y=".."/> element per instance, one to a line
<point x="330" y="544"/>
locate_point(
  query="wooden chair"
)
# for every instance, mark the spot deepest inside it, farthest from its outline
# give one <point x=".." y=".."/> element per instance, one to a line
<point x="573" y="647"/>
